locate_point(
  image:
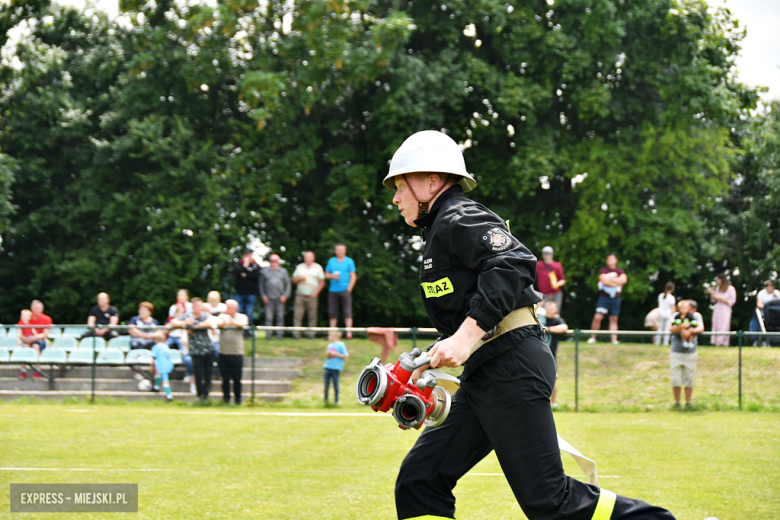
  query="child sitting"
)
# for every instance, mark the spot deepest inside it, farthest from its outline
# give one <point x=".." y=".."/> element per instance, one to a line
<point x="161" y="365"/>
<point x="337" y="353"/>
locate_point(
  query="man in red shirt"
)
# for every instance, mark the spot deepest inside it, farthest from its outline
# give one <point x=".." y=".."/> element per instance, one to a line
<point x="550" y="278"/>
<point x="37" y="337"/>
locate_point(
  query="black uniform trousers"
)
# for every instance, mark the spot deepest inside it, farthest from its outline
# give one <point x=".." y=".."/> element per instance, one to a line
<point x="504" y="405"/>
<point x="231" y="367"/>
<point x="202" y="365"/>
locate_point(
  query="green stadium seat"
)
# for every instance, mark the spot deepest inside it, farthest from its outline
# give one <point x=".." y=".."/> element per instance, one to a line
<point x="11" y="332"/>
<point x="53" y="356"/>
<point x="24" y="355"/>
<point x="74" y="332"/>
<point x="175" y="356"/>
<point x="99" y="343"/>
<point x="65" y="343"/>
<point x="139" y="356"/>
<point x="81" y="356"/>
<point x="55" y="332"/>
<point x="120" y="342"/>
<point x="5" y="354"/>
<point x="111" y="356"/>
<point x="9" y="342"/>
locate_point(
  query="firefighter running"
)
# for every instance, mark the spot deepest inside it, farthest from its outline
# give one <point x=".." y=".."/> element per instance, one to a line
<point x="477" y="288"/>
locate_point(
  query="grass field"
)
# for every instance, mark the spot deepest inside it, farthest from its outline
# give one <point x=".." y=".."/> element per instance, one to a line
<point x="627" y="377"/>
<point x="296" y="459"/>
<point x="221" y="462"/>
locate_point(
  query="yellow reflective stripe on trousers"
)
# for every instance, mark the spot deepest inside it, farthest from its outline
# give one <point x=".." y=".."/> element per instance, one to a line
<point x="605" y="505"/>
<point x="426" y="517"/>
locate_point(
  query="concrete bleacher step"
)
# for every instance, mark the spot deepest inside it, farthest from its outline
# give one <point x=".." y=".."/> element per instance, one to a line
<point x="109" y="372"/>
<point x="215" y="395"/>
<point x="125" y="385"/>
<point x="273" y="379"/>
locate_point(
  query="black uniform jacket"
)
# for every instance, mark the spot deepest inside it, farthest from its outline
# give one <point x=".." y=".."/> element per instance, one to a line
<point x="472" y="266"/>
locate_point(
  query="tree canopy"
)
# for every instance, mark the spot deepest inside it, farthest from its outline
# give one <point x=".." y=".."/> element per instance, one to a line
<point x="138" y="155"/>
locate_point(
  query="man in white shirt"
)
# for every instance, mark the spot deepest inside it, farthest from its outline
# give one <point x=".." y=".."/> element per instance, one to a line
<point x="765" y="295"/>
<point x="310" y="279"/>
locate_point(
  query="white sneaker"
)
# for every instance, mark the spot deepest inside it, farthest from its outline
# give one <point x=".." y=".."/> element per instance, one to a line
<point x="193" y="390"/>
<point x="186" y="379"/>
<point x="616" y="343"/>
<point x="591" y="340"/>
<point x="555" y="405"/>
<point x="138" y="377"/>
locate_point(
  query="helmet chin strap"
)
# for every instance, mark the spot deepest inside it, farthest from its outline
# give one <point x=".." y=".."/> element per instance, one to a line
<point x="422" y="206"/>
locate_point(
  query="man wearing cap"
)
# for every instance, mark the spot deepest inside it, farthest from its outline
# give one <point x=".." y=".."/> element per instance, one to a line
<point x="550" y="278"/>
<point x="477" y="288"/>
<point x="247" y="284"/>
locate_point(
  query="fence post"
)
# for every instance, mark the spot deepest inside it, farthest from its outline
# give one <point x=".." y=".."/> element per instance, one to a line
<point x="576" y="370"/>
<point x="739" y="335"/>
<point x="254" y="346"/>
<point x="414" y="337"/>
<point x="94" y="362"/>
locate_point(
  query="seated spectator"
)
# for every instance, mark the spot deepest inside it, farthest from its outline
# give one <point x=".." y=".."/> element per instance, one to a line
<point x="556" y="327"/>
<point x="214" y="299"/>
<point x="653" y="322"/>
<point x="37" y="339"/>
<point x="102" y="314"/>
<point x="177" y="338"/>
<point x="142" y="327"/>
<point x="26" y="337"/>
<point x="764" y="296"/>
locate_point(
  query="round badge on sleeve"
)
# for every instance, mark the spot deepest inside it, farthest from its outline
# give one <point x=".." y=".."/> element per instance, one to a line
<point x="497" y="239"/>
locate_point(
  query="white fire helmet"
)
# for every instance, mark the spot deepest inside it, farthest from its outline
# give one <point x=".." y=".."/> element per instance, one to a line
<point x="429" y="151"/>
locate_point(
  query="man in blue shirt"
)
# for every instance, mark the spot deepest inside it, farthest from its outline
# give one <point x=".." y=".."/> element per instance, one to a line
<point x="341" y="273"/>
<point x="337" y="353"/>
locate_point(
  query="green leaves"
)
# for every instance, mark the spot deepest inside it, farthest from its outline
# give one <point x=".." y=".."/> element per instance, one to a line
<point x="144" y="156"/>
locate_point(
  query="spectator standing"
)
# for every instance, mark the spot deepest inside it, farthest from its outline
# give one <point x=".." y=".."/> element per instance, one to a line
<point x="666" y="304"/>
<point x="687" y="324"/>
<point x="102" y="314"/>
<point x="247" y="285"/>
<point x="162" y="365"/>
<point x="275" y="290"/>
<point x="201" y="349"/>
<point x="342" y="274"/>
<point x="337" y="353"/>
<point x="310" y="279"/>
<point x="550" y="277"/>
<point x="231" y="353"/>
<point x="611" y="282"/>
<point x="556" y="327"/>
<point x="143" y="327"/>
<point x="724" y="298"/>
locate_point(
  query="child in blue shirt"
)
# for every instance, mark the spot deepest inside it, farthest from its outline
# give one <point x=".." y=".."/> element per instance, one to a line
<point x="161" y="365"/>
<point x="337" y="353"/>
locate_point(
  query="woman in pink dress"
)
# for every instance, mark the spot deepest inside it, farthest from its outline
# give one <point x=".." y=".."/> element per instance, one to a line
<point x="724" y="298"/>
